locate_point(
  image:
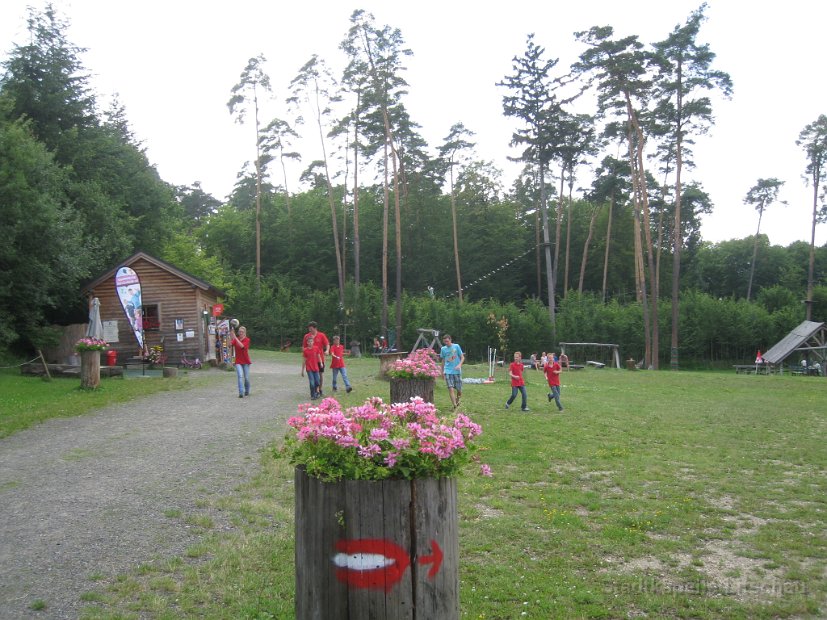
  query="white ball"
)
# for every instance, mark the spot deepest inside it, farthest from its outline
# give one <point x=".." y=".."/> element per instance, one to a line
<point x="234" y="323"/>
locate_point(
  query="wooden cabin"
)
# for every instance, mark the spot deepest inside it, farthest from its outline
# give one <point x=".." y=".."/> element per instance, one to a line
<point x="177" y="311"/>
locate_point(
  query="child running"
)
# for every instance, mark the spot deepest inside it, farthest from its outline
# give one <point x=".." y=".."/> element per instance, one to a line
<point x="515" y="370"/>
<point x="553" y="370"/>
<point x="337" y="364"/>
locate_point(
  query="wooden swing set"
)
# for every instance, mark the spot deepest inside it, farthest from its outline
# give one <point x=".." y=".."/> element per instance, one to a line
<point x="612" y="350"/>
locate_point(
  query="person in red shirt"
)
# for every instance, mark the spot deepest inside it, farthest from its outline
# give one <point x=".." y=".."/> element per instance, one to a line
<point x="241" y="345"/>
<point x="515" y="370"/>
<point x="322" y="344"/>
<point x="310" y="363"/>
<point x="337" y="364"/>
<point x="553" y="370"/>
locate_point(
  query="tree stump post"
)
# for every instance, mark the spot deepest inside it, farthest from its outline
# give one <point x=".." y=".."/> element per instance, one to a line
<point x="90" y="369"/>
<point x="384" y="549"/>
<point x="402" y="390"/>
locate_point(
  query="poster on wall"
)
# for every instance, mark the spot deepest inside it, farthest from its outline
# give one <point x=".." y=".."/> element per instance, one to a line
<point x="110" y="331"/>
<point x="128" y="287"/>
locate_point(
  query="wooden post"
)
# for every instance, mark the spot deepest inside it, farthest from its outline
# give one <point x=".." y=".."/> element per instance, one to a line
<point x="90" y="369"/>
<point x="402" y="390"/>
<point x="376" y="549"/>
<point x="45" y="365"/>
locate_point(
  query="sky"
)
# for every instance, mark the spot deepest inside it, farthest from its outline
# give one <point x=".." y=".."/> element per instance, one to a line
<point x="173" y="63"/>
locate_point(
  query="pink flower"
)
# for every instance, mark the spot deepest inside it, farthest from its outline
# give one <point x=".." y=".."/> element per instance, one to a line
<point x="379" y="434"/>
<point x="369" y="451"/>
<point x="485" y="470"/>
<point x="402" y="437"/>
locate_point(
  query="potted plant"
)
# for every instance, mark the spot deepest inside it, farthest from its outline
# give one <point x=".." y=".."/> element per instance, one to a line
<point x="414" y="376"/>
<point x="90" y="361"/>
<point x="376" y="508"/>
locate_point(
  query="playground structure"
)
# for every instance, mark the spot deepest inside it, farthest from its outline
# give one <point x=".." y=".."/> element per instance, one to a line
<point x="424" y="334"/>
<point x="610" y="350"/>
<point x="808" y="339"/>
<point x="430" y="338"/>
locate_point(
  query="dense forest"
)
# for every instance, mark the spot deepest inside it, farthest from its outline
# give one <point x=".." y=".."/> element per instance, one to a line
<point x="382" y="237"/>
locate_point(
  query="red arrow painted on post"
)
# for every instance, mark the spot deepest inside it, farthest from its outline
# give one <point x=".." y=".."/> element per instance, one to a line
<point x="435" y="559"/>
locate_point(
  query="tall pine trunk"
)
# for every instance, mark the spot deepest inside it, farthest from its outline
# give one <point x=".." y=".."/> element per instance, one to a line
<point x="595" y="211"/>
<point x="568" y="234"/>
<point x="547" y="245"/>
<point x="456" y="237"/>
<point x="356" y="240"/>
<point x="608" y="244"/>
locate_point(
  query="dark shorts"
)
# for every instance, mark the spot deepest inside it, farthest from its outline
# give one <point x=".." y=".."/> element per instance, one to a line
<point x="454" y="381"/>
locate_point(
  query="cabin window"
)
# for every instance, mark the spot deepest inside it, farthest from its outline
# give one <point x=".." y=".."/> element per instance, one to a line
<point x="151" y="317"/>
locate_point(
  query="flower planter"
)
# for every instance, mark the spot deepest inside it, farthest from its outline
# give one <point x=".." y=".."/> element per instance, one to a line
<point x="90" y="369"/>
<point x="376" y="549"/>
<point x="402" y="390"/>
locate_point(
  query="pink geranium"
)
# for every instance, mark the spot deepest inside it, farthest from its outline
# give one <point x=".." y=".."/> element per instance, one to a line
<point x="377" y="440"/>
<point x="91" y="344"/>
<point x="421" y="364"/>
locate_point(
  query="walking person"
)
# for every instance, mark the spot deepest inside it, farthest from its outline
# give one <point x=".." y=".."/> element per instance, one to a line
<point x="515" y="371"/>
<point x="241" y="346"/>
<point x="452" y="358"/>
<point x="310" y="363"/>
<point x="337" y="364"/>
<point x="553" y="370"/>
<point x="322" y="344"/>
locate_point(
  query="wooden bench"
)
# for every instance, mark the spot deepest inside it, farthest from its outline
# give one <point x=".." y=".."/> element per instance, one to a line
<point x="805" y="371"/>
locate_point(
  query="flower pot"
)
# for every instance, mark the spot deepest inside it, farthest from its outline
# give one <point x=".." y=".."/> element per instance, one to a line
<point x="377" y="549"/>
<point x="90" y="369"/>
<point x="402" y="390"/>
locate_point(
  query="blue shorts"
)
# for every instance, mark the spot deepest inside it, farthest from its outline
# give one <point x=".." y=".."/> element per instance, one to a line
<point x="454" y="381"/>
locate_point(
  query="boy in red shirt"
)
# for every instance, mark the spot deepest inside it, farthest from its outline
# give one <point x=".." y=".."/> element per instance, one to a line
<point x="515" y="370"/>
<point x="311" y="364"/>
<point x="553" y="370"/>
<point x="337" y="364"/>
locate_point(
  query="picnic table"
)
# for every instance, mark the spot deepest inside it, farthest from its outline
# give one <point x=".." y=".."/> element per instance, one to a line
<point x="753" y="369"/>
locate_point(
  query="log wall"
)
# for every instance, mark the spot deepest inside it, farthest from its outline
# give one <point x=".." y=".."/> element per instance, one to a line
<point x="175" y="297"/>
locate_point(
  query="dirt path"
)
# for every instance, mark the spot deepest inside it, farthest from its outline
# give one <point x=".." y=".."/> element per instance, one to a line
<point x="88" y="496"/>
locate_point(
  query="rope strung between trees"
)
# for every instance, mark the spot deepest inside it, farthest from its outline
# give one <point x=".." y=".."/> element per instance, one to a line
<point x="19" y="365"/>
<point x="491" y="273"/>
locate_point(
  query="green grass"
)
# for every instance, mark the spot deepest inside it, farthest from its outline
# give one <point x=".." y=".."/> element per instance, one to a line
<point x="26" y="401"/>
<point x="655" y="494"/>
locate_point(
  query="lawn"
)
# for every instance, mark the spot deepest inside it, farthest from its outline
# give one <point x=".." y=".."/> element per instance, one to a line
<point x="26" y="400"/>
<point x="655" y="494"/>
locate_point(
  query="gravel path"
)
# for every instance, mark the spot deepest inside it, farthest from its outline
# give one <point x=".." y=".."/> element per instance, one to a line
<point x="88" y="495"/>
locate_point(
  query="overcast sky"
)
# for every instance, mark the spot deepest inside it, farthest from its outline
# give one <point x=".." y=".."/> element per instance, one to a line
<point x="173" y="63"/>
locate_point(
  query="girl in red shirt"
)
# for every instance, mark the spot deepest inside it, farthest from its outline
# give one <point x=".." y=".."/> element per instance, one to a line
<point x="241" y="345"/>
<point x="515" y="370"/>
